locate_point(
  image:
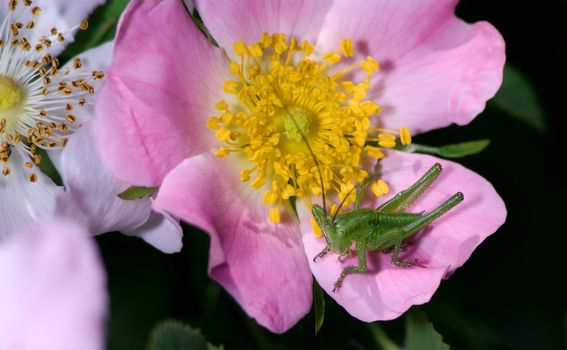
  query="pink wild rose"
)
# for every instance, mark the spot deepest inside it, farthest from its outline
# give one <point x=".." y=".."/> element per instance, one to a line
<point x="353" y="66"/>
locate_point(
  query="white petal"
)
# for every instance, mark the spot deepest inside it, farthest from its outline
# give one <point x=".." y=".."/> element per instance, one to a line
<point x="23" y="202"/>
<point x="95" y="59"/>
<point x="72" y="12"/>
<point x="161" y="231"/>
<point x="95" y="191"/>
<point x="61" y="14"/>
<point x="98" y="58"/>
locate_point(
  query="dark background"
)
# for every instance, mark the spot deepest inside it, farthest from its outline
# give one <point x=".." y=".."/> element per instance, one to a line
<point x="510" y="295"/>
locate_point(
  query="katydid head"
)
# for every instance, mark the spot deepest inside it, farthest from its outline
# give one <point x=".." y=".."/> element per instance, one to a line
<point x="335" y="238"/>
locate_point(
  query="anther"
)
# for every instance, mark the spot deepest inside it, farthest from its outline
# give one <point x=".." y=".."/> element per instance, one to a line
<point x="274" y="215"/>
<point x="405" y="136"/>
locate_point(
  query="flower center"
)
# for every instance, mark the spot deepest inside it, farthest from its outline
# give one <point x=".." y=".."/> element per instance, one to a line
<point x="296" y="119"/>
<point x="293" y="123"/>
<point x="11" y="96"/>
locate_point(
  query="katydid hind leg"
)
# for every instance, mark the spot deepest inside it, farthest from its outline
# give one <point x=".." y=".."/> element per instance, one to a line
<point x="427" y="219"/>
<point x="404" y="199"/>
<point x="395" y="256"/>
<point x="395" y="236"/>
<point x="361" y="268"/>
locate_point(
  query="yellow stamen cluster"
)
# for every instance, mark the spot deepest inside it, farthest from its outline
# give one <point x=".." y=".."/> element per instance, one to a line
<point x="37" y="98"/>
<point x="297" y="117"/>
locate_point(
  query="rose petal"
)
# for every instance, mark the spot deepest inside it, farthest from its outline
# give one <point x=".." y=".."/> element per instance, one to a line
<point x="386" y="291"/>
<point x="262" y="265"/>
<point x="160" y="89"/>
<point x="233" y="20"/>
<point x="436" y="69"/>
<point x="52" y="290"/>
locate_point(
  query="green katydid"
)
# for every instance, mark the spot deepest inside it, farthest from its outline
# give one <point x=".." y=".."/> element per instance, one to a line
<point x="381" y="229"/>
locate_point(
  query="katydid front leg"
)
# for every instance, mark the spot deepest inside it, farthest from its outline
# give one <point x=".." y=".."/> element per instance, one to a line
<point x="343" y="257"/>
<point x="361" y="268"/>
<point x="360" y="190"/>
<point x="323" y="252"/>
<point x="404" y="199"/>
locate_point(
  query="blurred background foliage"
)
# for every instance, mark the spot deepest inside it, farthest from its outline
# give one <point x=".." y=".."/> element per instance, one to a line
<point x="511" y="294"/>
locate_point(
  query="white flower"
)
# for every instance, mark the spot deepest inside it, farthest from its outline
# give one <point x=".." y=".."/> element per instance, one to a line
<point x="40" y="102"/>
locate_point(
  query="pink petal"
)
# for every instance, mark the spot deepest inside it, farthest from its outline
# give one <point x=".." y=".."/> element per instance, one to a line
<point x="436" y="69"/>
<point x="52" y="290"/>
<point x="233" y="20"/>
<point x="386" y="291"/>
<point x="262" y="265"/>
<point x="383" y="293"/>
<point x="160" y="89"/>
<point x="451" y="239"/>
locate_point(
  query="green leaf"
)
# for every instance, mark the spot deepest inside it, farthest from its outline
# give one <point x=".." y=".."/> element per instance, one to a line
<point x="136" y="192"/>
<point x="319" y="305"/>
<point x="48" y="168"/>
<point x="173" y="335"/>
<point x="457" y="150"/>
<point x="518" y="98"/>
<point x="420" y="334"/>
